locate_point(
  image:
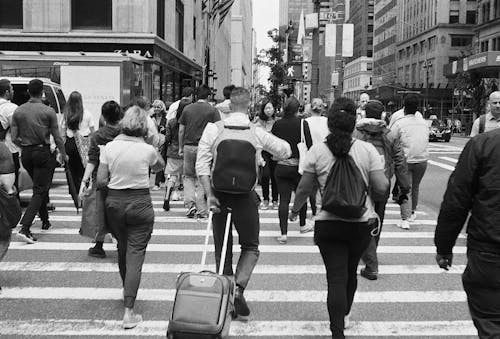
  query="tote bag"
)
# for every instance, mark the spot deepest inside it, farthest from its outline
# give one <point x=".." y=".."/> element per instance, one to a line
<point x="93" y="212"/>
<point x="302" y="147"/>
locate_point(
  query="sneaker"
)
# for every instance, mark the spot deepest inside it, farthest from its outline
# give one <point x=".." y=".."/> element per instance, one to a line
<point x="175" y="196"/>
<point x="240" y="304"/>
<point x="166" y="205"/>
<point x="131" y="321"/>
<point x="181" y="187"/>
<point x="26" y="235"/>
<point x="51" y="207"/>
<point x="155" y="188"/>
<point x="282" y="239"/>
<point x="46" y="225"/>
<point x="201" y="215"/>
<point x="413" y="216"/>
<point x="347" y="321"/>
<point x="275" y="205"/>
<point x="97" y="252"/>
<point x="264" y="205"/>
<point x="191" y="213"/>
<point x="404" y="224"/>
<point x="370" y="275"/>
<point x="308" y="227"/>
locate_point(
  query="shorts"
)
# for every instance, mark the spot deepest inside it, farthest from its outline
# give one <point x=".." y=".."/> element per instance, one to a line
<point x="174" y="166"/>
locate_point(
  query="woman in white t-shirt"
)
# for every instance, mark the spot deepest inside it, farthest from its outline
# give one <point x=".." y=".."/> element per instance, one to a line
<point x="341" y="241"/>
<point x="77" y="125"/>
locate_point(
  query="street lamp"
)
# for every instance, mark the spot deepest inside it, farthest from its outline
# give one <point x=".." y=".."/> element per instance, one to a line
<point x="426" y="65"/>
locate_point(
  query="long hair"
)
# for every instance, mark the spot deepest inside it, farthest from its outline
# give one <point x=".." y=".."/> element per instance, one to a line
<point x="262" y="115"/>
<point x="73" y="111"/>
<point x="341" y="123"/>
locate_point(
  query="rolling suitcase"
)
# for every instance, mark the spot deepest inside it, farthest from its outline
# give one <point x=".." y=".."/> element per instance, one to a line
<point x="204" y="301"/>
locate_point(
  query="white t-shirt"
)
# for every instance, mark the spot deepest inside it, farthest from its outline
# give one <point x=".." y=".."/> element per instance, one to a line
<point x="172" y="110"/>
<point x="84" y="127"/>
<point x="318" y="125"/>
<point x="128" y="159"/>
<point x="7" y="109"/>
<point x="319" y="160"/>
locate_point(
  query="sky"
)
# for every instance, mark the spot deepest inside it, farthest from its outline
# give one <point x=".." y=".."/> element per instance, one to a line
<point x="265" y="17"/>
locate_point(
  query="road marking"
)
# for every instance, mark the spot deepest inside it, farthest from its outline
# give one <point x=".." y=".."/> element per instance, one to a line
<point x="189" y="248"/>
<point x="299" y="296"/>
<point x="453" y="160"/>
<point x="262" y="234"/>
<point x="439" y="164"/>
<point x="265" y="329"/>
<point x="22" y="266"/>
<point x="185" y="220"/>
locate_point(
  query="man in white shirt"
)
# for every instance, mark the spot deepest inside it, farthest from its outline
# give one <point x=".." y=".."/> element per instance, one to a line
<point x="224" y="107"/>
<point x="187" y="93"/>
<point x="491" y="118"/>
<point x="245" y="212"/>
<point x="7" y="109"/>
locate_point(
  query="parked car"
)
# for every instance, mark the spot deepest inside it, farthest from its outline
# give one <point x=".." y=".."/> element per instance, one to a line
<point x="438" y="130"/>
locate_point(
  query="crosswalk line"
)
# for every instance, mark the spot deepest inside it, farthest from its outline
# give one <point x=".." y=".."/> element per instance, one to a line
<point x="184" y="220"/>
<point x="265" y="329"/>
<point x="264" y="296"/>
<point x="439" y="164"/>
<point x="453" y="160"/>
<point x="262" y="234"/>
<point x="175" y="248"/>
<point x="177" y="268"/>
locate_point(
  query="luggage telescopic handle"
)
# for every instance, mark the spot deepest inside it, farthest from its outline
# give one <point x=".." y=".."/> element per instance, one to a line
<point x="207" y="235"/>
<point x="224" y="244"/>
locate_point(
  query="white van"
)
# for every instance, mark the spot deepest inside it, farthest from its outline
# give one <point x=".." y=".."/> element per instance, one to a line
<point x="52" y="93"/>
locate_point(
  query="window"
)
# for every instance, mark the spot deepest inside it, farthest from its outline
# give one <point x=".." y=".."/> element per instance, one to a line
<point x="369" y="66"/>
<point x="91" y="14"/>
<point x="194" y="28"/>
<point x="486" y="12"/>
<point x="454" y="16"/>
<point x="160" y="18"/>
<point x="61" y="99"/>
<point x="461" y="41"/>
<point x="179" y="25"/>
<point x="12" y="18"/>
<point x="496" y="44"/>
<point x="485" y="46"/>
<point x="470" y="17"/>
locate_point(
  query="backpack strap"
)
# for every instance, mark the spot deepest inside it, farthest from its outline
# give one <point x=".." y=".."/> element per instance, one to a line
<point x="482" y="123"/>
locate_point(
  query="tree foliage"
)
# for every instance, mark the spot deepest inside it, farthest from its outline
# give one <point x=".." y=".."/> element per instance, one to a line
<point x="476" y="89"/>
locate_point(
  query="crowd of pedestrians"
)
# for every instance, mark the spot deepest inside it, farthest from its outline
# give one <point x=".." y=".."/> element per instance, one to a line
<point x="178" y="144"/>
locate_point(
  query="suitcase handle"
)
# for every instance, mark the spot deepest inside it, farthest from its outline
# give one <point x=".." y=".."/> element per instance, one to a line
<point x="207" y="235"/>
<point x="224" y="244"/>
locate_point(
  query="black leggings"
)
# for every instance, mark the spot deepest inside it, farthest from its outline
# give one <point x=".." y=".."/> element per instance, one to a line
<point x="268" y="176"/>
<point x="287" y="179"/>
<point x="74" y="162"/>
<point x="341" y="245"/>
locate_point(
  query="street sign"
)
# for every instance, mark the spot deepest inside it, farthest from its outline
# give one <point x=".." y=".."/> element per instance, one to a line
<point x="328" y="16"/>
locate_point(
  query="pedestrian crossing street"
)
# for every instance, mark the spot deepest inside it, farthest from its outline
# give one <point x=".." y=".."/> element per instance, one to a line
<point x="54" y="289"/>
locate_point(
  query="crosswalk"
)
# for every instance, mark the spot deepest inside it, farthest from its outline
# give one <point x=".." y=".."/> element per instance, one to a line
<point x="53" y="289"/>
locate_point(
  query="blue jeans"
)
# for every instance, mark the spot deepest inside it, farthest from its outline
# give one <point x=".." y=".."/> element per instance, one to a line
<point x="194" y="195"/>
<point x="416" y="172"/>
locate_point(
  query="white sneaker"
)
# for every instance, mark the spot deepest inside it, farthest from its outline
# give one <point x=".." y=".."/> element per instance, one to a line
<point x="282" y="239"/>
<point x="155" y="188"/>
<point x="404" y="224"/>
<point x="347" y="321"/>
<point x="308" y="227"/>
<point x="413" y="216"/>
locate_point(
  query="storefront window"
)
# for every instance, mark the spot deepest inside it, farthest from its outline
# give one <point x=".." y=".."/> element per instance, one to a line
<point x="91" y="14"/>
<point x="13" y="17"/>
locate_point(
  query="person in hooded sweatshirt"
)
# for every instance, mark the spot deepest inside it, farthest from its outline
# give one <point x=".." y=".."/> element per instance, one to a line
<point x="373" y="129"/>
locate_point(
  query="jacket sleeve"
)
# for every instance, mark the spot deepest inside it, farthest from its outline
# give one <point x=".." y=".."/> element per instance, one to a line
<point x="400" y="165"/>
<point x="94" y="150"/>
<point x="458" y="198"/>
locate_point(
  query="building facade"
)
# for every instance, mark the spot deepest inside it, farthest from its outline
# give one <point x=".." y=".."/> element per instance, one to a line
<point x="384" y="48"/>
<point x="358" y="77"/>
<point x="431" y="34"/>
<point x="242" y="43"/>
<point x="171" y="33"/>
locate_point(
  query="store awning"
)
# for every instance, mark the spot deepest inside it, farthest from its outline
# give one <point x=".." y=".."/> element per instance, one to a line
<point x="485" y="62"/>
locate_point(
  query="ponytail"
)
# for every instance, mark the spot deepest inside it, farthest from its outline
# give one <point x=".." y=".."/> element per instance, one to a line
<point x="341" y="123"/>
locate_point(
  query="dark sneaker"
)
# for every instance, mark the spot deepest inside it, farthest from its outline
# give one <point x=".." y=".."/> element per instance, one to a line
<point x="368" y="274"/>
<point x="191" y="213"/>
<point x="26" y="235"/>
<point x="46" y="225"/>
<point x="166" y="205"/>
<point x="202" y="215"/>
<point x="51" y="207"/>
<point x="97" y="252"/>
<point x="240" y="304"/>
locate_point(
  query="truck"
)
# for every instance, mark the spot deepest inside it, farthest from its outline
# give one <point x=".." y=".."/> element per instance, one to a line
<point x="98" y="76"/>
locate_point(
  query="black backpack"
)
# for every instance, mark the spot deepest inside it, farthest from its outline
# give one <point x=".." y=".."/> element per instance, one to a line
<point x="345" y="189"/>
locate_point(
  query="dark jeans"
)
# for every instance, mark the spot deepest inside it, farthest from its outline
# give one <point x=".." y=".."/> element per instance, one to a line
<point x="17" y="166"/>
<point x="245" y="216"/>
<point x="267" y="175"/>
<point x="74" y="161"/>
<point x="341" y="245"/>
<point x="39" y="163"/>
<point x="370" y="256"/>
<point x="481" y="280"/>
<point x="159" y="178"/>
<point x="288" y="178"/>
<point x="130" y="217"/>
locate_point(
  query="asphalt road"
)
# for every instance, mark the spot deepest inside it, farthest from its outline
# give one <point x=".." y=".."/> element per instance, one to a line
<point x="54" y="290"/>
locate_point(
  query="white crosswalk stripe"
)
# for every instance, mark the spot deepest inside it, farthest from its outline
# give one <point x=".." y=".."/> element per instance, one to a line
<point x="53" y="289"/>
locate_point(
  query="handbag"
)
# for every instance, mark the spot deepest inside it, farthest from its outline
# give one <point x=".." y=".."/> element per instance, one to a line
<point x="93" y="212"/>
<point x="83" y="145"/>
<point x="302" y="147"/>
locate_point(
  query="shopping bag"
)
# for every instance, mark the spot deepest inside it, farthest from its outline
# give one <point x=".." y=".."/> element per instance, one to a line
<point x="302" y="147"/>
<point x="93" y="212"/>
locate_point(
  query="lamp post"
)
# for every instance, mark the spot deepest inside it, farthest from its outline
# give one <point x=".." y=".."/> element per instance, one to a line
<point x="426" y="65"/>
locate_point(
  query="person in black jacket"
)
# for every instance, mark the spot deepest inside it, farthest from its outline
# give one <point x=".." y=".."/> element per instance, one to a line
<point x="474" y="187"/>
